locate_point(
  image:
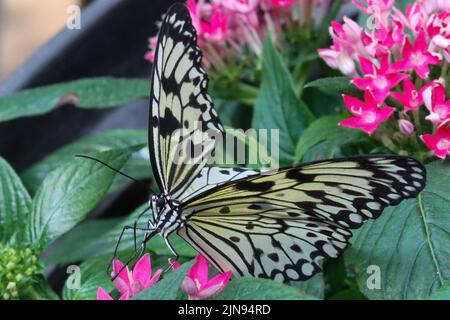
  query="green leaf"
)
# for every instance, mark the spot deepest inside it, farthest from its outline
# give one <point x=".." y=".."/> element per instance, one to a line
<point x="314" y="287"/>
<point x="325" y="139"/>
<point x="408" y="242"/>
<point x="91" y="93"/>
<point x="333" y="86"/>
<point x="95" y="238"/>
<point x="34" y="175"/>
<point x="277" y="106"/>
<point x="260" y="289"/>
<point x="15" y="205"/>
<point x="70" y="192"/>
<point x="92" y="275"/>
<point x="168" y="287"/>
<point x="443" y="293"/>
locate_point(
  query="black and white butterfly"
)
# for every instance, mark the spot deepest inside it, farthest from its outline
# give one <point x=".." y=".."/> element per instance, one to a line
<point x="274" y="226"/>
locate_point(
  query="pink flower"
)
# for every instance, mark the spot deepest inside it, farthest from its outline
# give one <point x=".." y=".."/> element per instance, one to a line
<point x="367" y="115"/>
<point x="196" y="284"/>
<point x="129" y="283"/>
<point x="436" y="103"/>
<point x="150" y="55"/>
<point x="438" y="29"/>
<point x="416" y="57"/>
<point x="103" y="295"/>
<point x="378" y="80"/>
<point x="410" y="99"/>
<point x="175" y="264"/>
<point x="439" y="143"/>
<point x="338" y="59"/>
<point x="210" y="21"/>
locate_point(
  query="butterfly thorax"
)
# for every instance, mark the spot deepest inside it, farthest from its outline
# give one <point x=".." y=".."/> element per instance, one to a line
<point x="166" y="214"/>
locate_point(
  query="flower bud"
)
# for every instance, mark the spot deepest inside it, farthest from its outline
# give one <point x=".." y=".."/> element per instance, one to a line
<point x="406" y="127"/>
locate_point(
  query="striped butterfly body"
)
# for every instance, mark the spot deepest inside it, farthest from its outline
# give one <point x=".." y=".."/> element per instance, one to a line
<point x="274" y="226"/>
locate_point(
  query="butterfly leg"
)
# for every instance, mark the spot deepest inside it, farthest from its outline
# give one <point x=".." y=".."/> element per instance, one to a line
<point x="124" y="229"/>
<point x="172" y="249"/>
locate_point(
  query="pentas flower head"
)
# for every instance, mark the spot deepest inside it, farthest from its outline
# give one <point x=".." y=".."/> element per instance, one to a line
<point x="439" y="142"/>
<point x="366" y="115"/>
<point x="411" y="99"/>
<point x="436" y="103"/>
<point x="210" y="21"/>
<point x="129" y="283"/>
<point x="379" y="80"/>
<point x="196" y="284"/>
<point x="417" y="57"/>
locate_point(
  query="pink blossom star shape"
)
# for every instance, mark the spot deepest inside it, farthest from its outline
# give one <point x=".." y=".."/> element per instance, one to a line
<point x="416" y="57"/>
<point x="196" y="284"/>
<point x="379" y="80"/>
<point x="366" y="115"/>
<point x="435" y="101"/>
<point x="130" y="283"/>
<point x="411" y="99"/>
<point x="439" y="143"/>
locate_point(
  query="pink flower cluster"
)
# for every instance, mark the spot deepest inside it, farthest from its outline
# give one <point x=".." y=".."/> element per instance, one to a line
<point x="391" y="58"/>
<point x="196" y="284"/>
<point x="229" y="29"/>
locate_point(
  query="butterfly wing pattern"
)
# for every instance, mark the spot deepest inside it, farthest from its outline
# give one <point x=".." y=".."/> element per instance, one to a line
<point x="279" y="226"/>
<point x="182" y="116"/>
<point x="276" y="225"/>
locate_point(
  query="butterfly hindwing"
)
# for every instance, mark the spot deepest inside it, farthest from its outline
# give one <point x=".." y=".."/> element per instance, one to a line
<point x="183" y="121"/>
<point x="279" y="226"/>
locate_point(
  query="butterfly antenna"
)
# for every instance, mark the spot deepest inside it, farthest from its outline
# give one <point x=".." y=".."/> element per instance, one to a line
<point x="113" y="169"/>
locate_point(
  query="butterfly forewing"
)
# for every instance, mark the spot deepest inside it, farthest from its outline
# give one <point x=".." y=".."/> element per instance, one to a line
<point x="280" y="225"/>
<point x="183" y="121"/>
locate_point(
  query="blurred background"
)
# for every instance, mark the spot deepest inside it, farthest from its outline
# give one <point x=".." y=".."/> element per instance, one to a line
<point x="25" y="25"/>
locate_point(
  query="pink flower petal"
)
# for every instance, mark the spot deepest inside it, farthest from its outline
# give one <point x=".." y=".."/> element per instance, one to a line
<point x="210" y="291"/>
<point x="123" y="281"/>
<point x="155" y="277"/>
<point x="142" y="271"/>
<point x="125" y="296"/>
<point x="221" y="279"/>
<point x="189" y="287"/>
<point x="199" y="270"/>
<point x="103" y="295"/>
<point x="384" y="113"/>
<point x="175" y="264"/>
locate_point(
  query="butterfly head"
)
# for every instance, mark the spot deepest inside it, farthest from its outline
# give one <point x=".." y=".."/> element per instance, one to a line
<point x="166" y="214"/>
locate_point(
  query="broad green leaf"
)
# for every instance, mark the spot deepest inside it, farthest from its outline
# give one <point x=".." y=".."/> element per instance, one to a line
<point x="34" y="175"/>
<point x="70" y="192"/>
<point x="408" y="243"/>
<point x="443" y="293"/>
<point x="39" y="290"/>
<point x="95" y="238"/>
<point x="90" y="276"/>
<point x="256" y="153"/>
<point x="325" y="139"/>
<point x="277" y="106"/>
<point x="260" y="289"/>
<point x="314" y="287"/>
<point x="167" y="288"/>
<point x="90" y="93"/>
<point x="15" y="205"/>
<point x="333" y="86"/>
